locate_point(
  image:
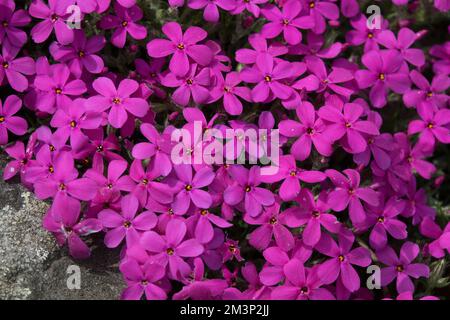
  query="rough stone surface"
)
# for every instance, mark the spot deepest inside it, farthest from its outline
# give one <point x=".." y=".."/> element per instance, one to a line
<point x="32" y="266"/>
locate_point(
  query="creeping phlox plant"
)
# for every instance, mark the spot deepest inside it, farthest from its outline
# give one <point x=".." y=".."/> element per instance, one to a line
<point x="109" y="110"/>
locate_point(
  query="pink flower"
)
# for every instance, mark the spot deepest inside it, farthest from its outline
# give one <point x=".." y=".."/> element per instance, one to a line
<point x="342" y="259"/>
<point x="62" y="220"/>
<point x="319" y="10"/>
<point x="260" y="47"/>
<point x="142" y="279"/>
<point x="118" y="101"/>
<point x="230" y="91"/>
<point x="182" y="47"/>
<point x="11" y="21"/>
<point x="384" y="72"/>
<point x="54" y="19"/>
<point x="402" y="267"/>
<point x="124" y="23"/>
<point x="171" y="249"/>
<point x="433" y="95"/>
<point x="249" y="5"/>
<point x="310" y="130"/>
<point x="288" y="21"/>
<point x="9" y="122"/>
<point x="80" y="54"/>
<point x="211" y="13"/>
<point x="126" y="224"/>
<point x="15" y="69"/>
<point x="349" y="193"/>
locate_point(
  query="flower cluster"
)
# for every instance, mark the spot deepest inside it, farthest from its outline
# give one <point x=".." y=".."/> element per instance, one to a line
<point x="362" y="113"/>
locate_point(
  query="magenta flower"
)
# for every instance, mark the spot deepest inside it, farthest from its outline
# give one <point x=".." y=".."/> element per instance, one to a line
<point x="384" y="72"/>
<point x="269" y="77"/>
<point x="349" y="193"/>
<point x="319" y="10"/>
<point x="142" y="279"/>
<point x="332" y="80"/>
<point x="246" y="189"/>
<point x="230" y="91"/>
<point x="441" y="238"/>
<point x="363" y="35"/>
<point x="148" y="188"/>
<point x="11" y="21"/>
<point x="432" y="126"/>
<point x="211" y="12"/>
<point x="71" y="120"/>
<point x="384" y="220"/>
<point x="260" y="47"/>
<point x="271" y="225"/>
<point x="313" y="214"/>
<point x="126" y="224"/>
<point x="203" y="222"/>
<point x="181" y="46"/>
<point x="21" y="159"/>
<point x="62" y="220"/>
<point x="118" y="101"/>
<point x="124" y="23"/>
<point x="55" y="88"/>
<point x="342" y="258"/>
<point x="433" y="95"/>
<point x="64" y="182"/>
<point x="195" y="83"/>
<point x="406" y="37"/>
<point x="292" y="176"/>
<point x="288" y="21"/>
<point x="54" y="19"/>
<point x="111" y="185"/>
<point x="8" y="120"/>
<point x="190" y="188"/>
<point x="301" y="284"/>
<point x="314" y="46"/>
<point x="249" y="5"/>
<point x="171" y="249"/>
<point x="80" y="54"/>
<point x="378" y="147"/>
<point x="347" y="126"/>
<point x="157" y="148"/>
<point x="310" y="130"/>
<point x="15" y="69"/>
<point x="402" y="267"/>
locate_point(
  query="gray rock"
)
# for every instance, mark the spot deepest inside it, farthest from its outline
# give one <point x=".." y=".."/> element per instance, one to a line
<point x="32" y="266"/>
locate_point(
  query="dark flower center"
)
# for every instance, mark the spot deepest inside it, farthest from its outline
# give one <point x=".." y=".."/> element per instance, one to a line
<point x="410" y="159"/>
<point x="351" y="191"/>
<point x="124" y="24"/>
<point x="52" y="148"/>
<point x="285" y="22"/>
<point x="144" y="282"/>
<point x="188" y="187"/>
<point x="227" y="89"/>
<point x="170" y="251"/>
<point x="267" y="78"/>
<point x="248" y="189"/>
<point x="5" y="65"/>
<point x="273" y="221"/>
<point x="116" y="100"/>
<point x="348" y="125"/>
<point x="145" y="182"/>
<point x="381" y="76"/>
<point x="180" y="46"/>
<point x="54" y="17"/>
<point x="58" y="91"/>
<point x="370" y="141"/>
<point x="430" y="125"/>
<point x="109" y="186"/>
<point x="73" y="124"/>
<point x="341" y="258"/>
<point x="312" y="4"/>
<point x="51" y="169"/>
<point x="310" y="131"/>
<point x="232" y="248"/>
<point x="304" y="290"/>
<point x="293" y="173"/>
<point x="127" y="224"/>
<point x="170" y="212"/>
<point x="189" y="81"/>
<point x="62" y="186"/>
<point x="81" y="54"/>
<point x="380" y="219"/>
<point x="315" y="214"/>
<point x="370" y="35"/>
<point x="204" y="212"/>
<point x="399" y="268"/>
<point x="67" y="229"/>
<point x="2" y="119"/>
<point x="100" y="149"/>
<point x="5" y="24"/>
<point x="429" y="94"/>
